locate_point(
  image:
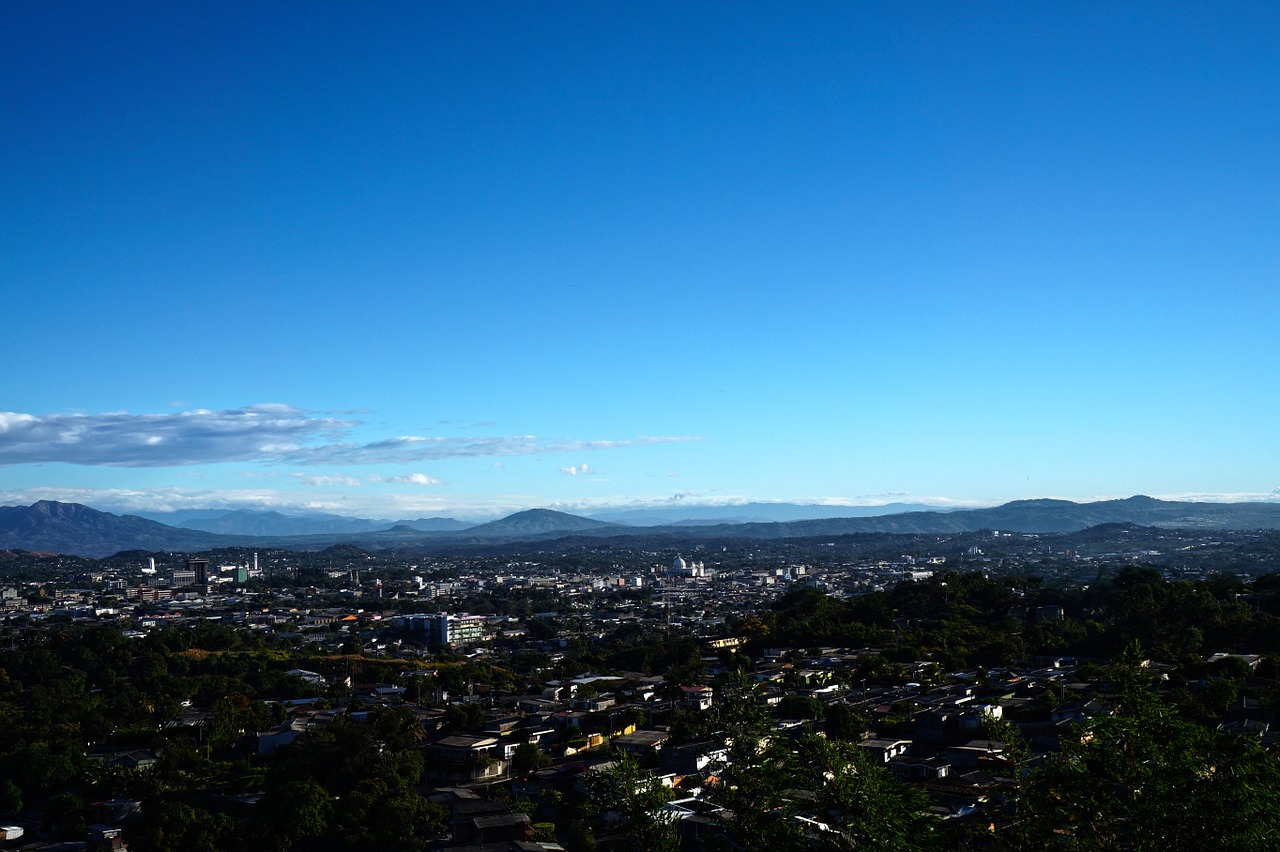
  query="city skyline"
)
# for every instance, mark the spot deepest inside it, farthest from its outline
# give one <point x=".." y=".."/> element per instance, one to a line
<point x="429" y="260"/>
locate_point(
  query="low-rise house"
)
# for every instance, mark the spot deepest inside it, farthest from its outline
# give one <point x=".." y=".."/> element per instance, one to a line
<point x="270" y="740"/>
<point x="908" y="768"/>
<point x="463" y="760"/>
<point x="594" y="704"/>
<point x="312" y="678"/>
<point x="691" y="758"/>
<point x="937" y="726"/>
<point x="535" y="783"/>
<point x="974" y="753"/>
<point x="642" y="743"/>
<point x="883" y="750"/>
<point x="139" y="759"/>
<point x="108" y="838"/>
<point x="482" y="821"/>
<point x="696" y="697"/>
<point x="1079" y="711"/>
<point x="531" y="704"/>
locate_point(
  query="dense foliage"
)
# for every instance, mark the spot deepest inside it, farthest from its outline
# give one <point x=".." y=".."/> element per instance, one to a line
<point x="965" y="619"/>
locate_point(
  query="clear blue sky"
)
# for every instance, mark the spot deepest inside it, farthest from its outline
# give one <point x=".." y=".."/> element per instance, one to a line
<point x="449" y="258"/>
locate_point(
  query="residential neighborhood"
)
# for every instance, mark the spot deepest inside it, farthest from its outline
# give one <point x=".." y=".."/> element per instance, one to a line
<point x="531" y="707"/>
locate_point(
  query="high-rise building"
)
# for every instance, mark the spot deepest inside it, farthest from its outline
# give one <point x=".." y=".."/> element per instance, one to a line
<point x="199" y="569"/>
<point x="441" y="628"/>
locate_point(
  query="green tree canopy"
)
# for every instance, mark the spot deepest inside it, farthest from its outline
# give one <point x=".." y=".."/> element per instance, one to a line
<point x="1145" y="779"/>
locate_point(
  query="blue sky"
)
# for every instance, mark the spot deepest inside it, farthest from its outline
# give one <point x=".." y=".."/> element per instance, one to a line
<point x="468" y="258"/>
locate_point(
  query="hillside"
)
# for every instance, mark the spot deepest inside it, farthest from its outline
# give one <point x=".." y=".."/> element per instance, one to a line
<point x="537" y="523"/>
<point x="73" y="528"/>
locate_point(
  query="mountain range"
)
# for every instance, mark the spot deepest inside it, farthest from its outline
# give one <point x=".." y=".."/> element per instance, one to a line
<point x="750" y="513"/>
<point x="260" y="523"/>
<point x="71" y="528"/>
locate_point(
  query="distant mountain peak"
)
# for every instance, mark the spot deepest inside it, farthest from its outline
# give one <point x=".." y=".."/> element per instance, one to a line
<point x="48" y="525"/>
<point x="541" y="513"/>
<point x="538" y="522"/>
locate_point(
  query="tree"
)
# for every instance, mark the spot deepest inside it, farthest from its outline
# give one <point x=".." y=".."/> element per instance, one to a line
<point x="844" y="722"/>
<point x="799" y="707"/>
<point x="862" y="804"/>
<point x="1144" y="779"/>
<point x="175" y="827"/>
<point x="527" y="758"/>
<point x="581" y="838"/>
<point x="64" y="816"/>
<point x="759" y="809"/>
<point x="464" y="718"/>
<point x="396" y="728"/>
<point x="627" y="796"/>
<point x="295" y="811"/>
<point x="819" y="793"/>
<point x="10" y="798"/>
<point x="397" y="819"/>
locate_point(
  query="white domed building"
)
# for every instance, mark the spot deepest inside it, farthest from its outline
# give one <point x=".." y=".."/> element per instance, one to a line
<point x="680" y="568"/>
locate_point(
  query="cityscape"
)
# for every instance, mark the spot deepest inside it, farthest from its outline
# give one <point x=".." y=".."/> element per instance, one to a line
<point x="575" y="691"/>
<point x="592" y="427"/>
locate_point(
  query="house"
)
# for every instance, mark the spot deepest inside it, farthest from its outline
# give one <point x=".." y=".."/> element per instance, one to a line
<point x="312" y="678"/>
<point x="530" y="704"/>
<point x="139" y="759"/>
<point x="642" y="743"/>
<point x="269" y="741"/>
<point x="691" y="758"/>
<point x="583" y="782"/>
<point x="499" y="828"/>
<point x="477" y="821"/>
<point x="936" y="726"/>
<point x="465" y="760"/>
<point x="107" y="837"/>
<point x="974" y="753"/>
<point x="696" y="697"/>
<point x="595" y="703"/>
<point x="882" y="751"/>
<point x="919" y="769"/>
<point x="535" y="783"/>
<point x="1078" y="711"/>
<point x="972" y="718"/>
<point x="1250" y="660"/>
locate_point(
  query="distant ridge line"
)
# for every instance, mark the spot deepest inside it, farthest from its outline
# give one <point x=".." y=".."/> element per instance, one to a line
<point x="75" y="529"/>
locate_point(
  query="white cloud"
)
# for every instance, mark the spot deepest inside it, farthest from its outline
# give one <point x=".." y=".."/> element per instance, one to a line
<point x="266" y="432"/>
<point x="368" y="504"/>
<point x="1218" y="496"/>
<point x="325" y="480"/>
<point x="407" y="449"/>
<point x="409" y="479"/>
<point x="197" y="436"/>
<point x="576" y="469"/>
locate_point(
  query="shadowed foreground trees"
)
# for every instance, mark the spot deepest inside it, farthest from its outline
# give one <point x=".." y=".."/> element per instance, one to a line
<point x="175" y="827"/>
<point x="817" y="793"/>
<point x="631" y="801"/>
<point x="350" y="785"/>
<point x="1146" y="779"/>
